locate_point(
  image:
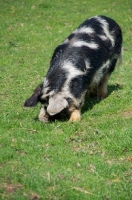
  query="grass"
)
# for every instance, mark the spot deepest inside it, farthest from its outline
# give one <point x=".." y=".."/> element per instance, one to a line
<point x="90" y="159"/>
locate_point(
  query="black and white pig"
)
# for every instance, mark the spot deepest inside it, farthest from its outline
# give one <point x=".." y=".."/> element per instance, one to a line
<point x="81" y="64"/>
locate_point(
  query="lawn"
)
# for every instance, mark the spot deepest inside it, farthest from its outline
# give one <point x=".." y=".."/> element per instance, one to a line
<point x="86" y="160"/>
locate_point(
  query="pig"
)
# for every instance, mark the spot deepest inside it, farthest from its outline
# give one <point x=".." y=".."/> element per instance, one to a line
<point x="81" y="64"/>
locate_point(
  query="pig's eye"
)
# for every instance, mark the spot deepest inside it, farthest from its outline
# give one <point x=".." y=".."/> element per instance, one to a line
<point x="44" y="101"/>
<point x="47" y="100"/>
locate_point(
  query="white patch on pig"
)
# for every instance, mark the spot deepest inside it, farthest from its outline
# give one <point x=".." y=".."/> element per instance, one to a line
<point x="71" y="70"/>
<point x="48" y="94"/>
<point x="105" y="27"/>
<point x="81" y="43"/>
<point x="87" y="63"/>
<point x="87" y="30"/>
<point x="103" y="37"/>
<point x="99" y="73"/>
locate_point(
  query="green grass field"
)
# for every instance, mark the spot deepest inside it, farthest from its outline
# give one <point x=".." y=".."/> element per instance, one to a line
<point x="86" y="160"/>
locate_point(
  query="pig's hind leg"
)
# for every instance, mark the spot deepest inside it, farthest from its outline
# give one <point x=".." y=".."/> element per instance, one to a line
<point x="102" y="87"/>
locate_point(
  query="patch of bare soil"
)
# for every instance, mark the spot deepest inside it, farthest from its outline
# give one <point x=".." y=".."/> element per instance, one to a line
<point x="10" y="188"/>
<point x="127" y="114"/>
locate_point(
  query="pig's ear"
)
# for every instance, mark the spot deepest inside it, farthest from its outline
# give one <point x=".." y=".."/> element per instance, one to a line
<point x="56" y="104"/>
<point x="35" y="98"/>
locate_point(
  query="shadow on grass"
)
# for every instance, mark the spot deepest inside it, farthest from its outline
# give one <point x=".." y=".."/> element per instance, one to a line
<point x="90" y="102"/>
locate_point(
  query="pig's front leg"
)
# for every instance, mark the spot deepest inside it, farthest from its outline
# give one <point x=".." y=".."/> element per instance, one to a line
<point x="75" y="116"/>
<point x="43" y="115"/>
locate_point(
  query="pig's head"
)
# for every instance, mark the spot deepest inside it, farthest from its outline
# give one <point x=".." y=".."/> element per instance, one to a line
<point x="56" y="104"/>
<point x="52" y="102"/>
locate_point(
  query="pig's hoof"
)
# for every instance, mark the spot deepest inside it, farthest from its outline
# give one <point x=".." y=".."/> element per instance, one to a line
<point x="44" y="119"/>
<point x="75" y="116"/>
<point x="101" y="96"/>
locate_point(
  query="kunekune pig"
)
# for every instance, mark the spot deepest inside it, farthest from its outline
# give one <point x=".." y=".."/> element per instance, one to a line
<point x="81" y="64"/>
